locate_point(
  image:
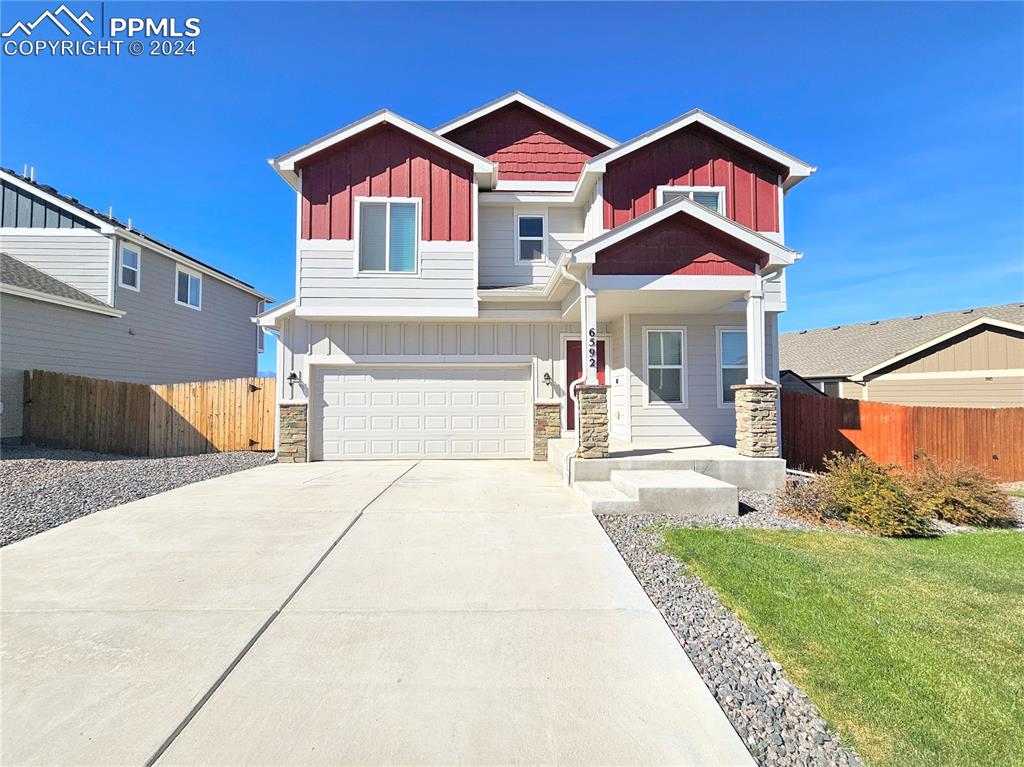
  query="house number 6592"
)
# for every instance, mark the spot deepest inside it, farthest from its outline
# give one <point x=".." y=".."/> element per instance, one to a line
<point x="592" y="348"/>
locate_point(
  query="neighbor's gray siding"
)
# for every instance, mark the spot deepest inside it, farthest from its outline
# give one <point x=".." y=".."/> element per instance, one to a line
<point x="498" y="265"/>
<point x="170" y="343"/>
<point x="79" y="257"/>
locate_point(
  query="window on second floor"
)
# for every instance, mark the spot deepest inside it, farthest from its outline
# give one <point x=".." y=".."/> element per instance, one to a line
<point x="131" y="267"/>
<point x="188" y="289"/>
<point x="711" y="197"/>
<point x="388" y="234"/>
<point x="530" y="238"/>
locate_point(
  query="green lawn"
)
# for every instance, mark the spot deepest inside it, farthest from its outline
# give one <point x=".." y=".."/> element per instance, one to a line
<point x="913" y="649"/>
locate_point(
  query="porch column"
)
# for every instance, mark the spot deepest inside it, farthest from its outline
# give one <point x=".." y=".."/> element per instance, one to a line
<point x="756" y="364"/>
<point x="757" y="399"/>
<point x="592" y="421"/>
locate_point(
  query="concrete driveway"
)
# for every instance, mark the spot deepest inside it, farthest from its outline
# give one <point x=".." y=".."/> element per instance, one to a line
<point x="359" y="613"/>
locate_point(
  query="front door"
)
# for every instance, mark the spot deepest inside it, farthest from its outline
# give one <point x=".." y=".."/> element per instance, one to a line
<point x="573" y="370"/>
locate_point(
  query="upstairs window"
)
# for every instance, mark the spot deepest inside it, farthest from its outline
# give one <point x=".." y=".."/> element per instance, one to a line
<point x="732" y="363"/>
<point x="388" y="235"/>
<point x="530" y="238"/>
<point x="665" y="352"/>
<point x="711" y="197"/>
<point x="130" y="267"/>
<point x="188" y="288"/>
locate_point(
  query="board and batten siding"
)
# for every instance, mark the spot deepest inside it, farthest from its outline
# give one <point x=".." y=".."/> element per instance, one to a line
<point x="385" y="162"/>
<point x="498" y="242"/>
<point x="446" y="280"/>
<point x="79" y="257"/>
<point x="701" y="420"/>
<point x="693" y="156"/>
<point x="369" y="342"/>
<point x="156" y="341"/>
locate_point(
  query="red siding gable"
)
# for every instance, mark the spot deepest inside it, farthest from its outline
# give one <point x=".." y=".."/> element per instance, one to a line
<point x="526" y="145"/>
<point x="386" y="162"/>
<point x="693" y="156"/>
<point x="678" y="245"/>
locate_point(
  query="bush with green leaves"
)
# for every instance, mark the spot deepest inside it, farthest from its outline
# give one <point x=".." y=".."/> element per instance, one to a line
<point x="960" y="495"/>
<point x="856" y="491"/>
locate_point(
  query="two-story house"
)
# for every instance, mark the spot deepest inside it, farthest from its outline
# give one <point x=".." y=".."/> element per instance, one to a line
<point x="87" y="294"/>
<point x="475" y="290"/>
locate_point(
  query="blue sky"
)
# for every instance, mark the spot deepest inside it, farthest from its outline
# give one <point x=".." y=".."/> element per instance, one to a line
<point x="913" y="113"/>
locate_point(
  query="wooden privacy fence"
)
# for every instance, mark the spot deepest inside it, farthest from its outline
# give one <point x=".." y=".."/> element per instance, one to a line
<point x="137" y="419"/>
<point x="990" y="439"/>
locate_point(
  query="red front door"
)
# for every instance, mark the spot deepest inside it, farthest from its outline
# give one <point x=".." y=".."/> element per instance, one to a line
<point x="573" y="370"/>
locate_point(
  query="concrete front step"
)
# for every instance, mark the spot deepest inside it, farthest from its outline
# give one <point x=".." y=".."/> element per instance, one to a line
<point x="675" y="493"/>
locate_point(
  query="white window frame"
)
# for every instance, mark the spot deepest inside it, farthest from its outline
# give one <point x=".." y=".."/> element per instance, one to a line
<point x="719" y="331"/>
<point x="684" y="368"/>
<point x="138" y="271"/>
<point x="543" y="238"/>
<point x="689" y="190"/>
<point x="386" y="272"/>
<point x="179" y="269"/>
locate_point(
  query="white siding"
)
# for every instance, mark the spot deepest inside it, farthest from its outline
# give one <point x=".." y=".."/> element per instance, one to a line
<point x="157" y="340"/>
<point x="701" y="420"/>
<point x="446" y="280"/>
<point x="618" y="395"/>
<point x="79" y="257"/>
<point x="775" y="292"/>
<point x="498" y="266"/>
<point x="412" y="342"/>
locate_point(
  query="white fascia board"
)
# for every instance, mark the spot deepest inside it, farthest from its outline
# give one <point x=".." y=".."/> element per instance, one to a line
<point x="138" y="239"/>
<point x="778" y="254"/>
<point x="688" y="282"/>
<point x="535" y="186"/>
<point x="104" y="226"/>
<point x="489" y="295"/>
<point x="49" y="298"/>
<point x="312" y="312"/>
<point x="271" y="317"/>
<point x="797" y="169"/>
<point x="286" y="162"/>
<point x="518" y="97"/>
<point x="980" y="322"/>
<point x="512" y="198"/>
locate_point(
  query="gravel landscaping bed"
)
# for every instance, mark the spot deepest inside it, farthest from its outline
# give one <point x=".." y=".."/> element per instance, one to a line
<point x="43" y="488"/>
<point x="776" y="721"/>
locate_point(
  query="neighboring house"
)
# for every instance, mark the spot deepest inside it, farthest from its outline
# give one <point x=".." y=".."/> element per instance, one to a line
<point x="83" y="293"/>
<point x="968" y="358"/>
<point x="790" y="381"/>
<point x="446" y="277"/>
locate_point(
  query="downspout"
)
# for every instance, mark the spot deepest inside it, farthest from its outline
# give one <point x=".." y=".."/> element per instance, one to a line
<point x="567" y="471"/>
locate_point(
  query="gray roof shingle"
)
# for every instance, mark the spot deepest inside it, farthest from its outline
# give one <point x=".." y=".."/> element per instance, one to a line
<point x="20" y="275"/>
<point x="846" y="350"/>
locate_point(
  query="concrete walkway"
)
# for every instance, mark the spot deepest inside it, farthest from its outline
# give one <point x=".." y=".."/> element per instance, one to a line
<point x="357" y="613"/>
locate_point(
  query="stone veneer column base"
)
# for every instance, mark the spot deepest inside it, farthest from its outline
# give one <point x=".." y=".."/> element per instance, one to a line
<point x="293" y="433"/>
<point x="593" y="420"/>
<point x="547" y="424"/>
<point x="757" y="420"/>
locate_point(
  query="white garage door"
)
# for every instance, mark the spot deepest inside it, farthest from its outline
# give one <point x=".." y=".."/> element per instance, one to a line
<point x="397" y="412"/>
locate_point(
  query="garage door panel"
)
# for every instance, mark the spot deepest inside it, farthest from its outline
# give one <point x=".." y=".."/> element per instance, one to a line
<point x="457" y="412"/>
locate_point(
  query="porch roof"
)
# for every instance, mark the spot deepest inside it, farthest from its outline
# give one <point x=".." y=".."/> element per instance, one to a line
<point x="776" y="253"/>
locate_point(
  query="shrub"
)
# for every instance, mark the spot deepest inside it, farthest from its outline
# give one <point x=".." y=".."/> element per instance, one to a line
<point x="961" y="495"/>
<point x="856" y="491"/>
<point x="872" y="497"/>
